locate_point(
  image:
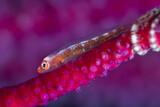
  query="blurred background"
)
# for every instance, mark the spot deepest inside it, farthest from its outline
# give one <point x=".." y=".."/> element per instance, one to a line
<point x="32" y="29"/>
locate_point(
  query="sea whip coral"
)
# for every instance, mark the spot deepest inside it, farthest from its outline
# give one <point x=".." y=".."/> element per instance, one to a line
<point x="94" y="63"/>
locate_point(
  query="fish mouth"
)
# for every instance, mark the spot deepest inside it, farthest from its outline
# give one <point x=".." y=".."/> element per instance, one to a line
<point x="39" y="70"/>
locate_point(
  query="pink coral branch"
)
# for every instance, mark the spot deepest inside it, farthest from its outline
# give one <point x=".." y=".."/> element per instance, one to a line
<point x="94" y="63"/>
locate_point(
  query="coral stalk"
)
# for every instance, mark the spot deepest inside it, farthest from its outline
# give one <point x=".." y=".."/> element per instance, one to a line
<point x="96" y="62"/>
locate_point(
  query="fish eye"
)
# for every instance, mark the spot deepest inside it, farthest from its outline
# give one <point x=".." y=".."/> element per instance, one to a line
<point x="45" y="65"/>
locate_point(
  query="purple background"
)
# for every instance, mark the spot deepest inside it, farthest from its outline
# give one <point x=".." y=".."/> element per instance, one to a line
<point x="32" y="29"/>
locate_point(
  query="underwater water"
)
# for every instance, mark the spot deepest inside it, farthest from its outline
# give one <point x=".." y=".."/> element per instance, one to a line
<point x="30" y="30"/>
